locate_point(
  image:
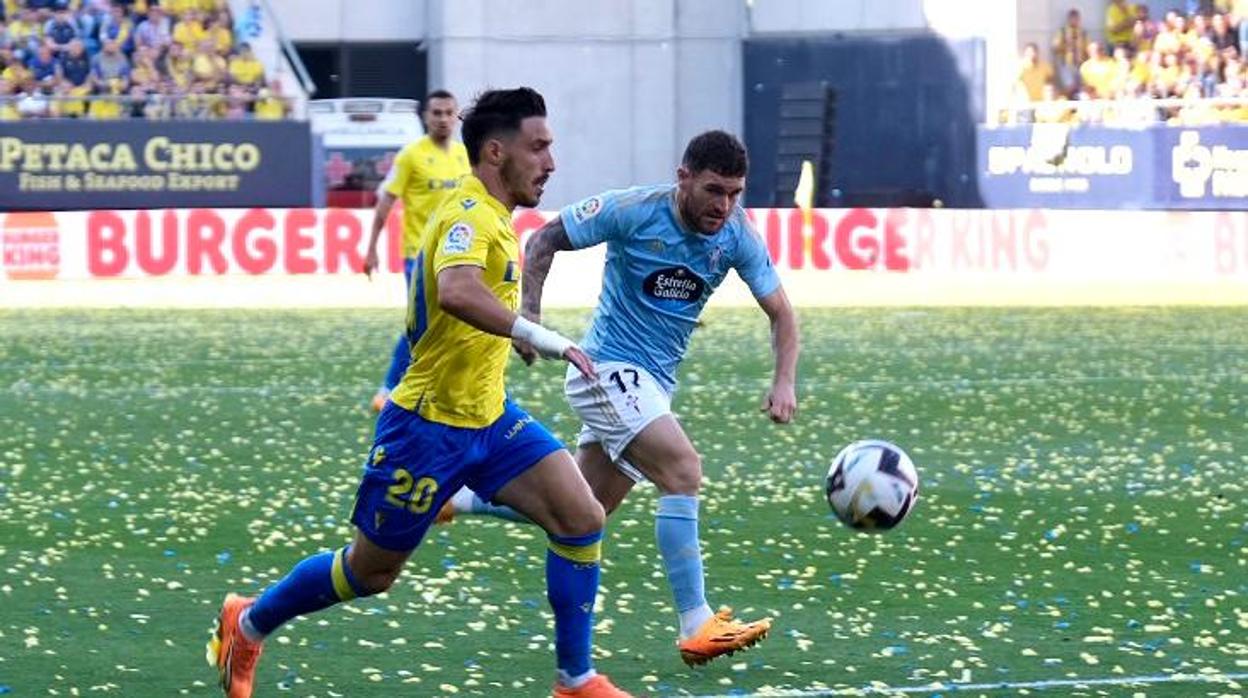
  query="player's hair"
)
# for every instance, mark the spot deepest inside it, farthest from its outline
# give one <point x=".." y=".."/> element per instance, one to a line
<point x="498" y="112"/>
<point x="717" y="151"/>
<point x="436" y="94"/>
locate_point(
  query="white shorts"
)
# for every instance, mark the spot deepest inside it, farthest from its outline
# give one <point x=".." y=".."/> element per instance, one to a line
<point x="616" y="407"/>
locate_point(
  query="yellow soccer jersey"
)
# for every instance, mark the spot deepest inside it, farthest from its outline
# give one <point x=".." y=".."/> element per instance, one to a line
<point x="456" y="375"/>
<point x="422" y="176"/>
<point x="1116" y="15"/>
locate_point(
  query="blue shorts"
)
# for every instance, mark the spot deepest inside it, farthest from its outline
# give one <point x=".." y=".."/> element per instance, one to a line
<point x="415" y="465"/>
<point x="409" y="266"/>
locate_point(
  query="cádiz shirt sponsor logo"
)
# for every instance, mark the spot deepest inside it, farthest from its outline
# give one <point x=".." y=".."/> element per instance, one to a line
<point x="674" y="284"/>
<point x="439" y="184"/>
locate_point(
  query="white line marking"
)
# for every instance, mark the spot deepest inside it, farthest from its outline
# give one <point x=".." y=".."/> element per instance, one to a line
<point x="956" y="688"/>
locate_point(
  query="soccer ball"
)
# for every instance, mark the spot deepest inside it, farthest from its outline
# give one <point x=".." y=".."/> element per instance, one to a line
<point x="872" y="485"/>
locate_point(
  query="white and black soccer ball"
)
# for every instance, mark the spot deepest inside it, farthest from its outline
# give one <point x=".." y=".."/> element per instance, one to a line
<point x="872" y="485"/>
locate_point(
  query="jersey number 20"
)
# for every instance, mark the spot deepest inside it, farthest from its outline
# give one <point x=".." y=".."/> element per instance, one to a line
<point x="407" y="492"/>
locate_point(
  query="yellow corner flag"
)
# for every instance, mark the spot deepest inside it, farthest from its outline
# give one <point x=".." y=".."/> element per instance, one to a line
<point x="804" y="198"/>
<point x="804" y="195"/>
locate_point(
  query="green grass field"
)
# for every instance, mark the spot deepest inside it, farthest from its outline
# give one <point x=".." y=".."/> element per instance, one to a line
<point x="1084" y="512"/>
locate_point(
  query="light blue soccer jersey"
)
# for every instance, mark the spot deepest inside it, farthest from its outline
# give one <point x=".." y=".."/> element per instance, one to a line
<point x="659" y="274"/>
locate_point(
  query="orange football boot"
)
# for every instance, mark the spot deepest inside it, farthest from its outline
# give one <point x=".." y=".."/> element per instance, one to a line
<point x="231" y="652"/>
<point x="721" y="634"/>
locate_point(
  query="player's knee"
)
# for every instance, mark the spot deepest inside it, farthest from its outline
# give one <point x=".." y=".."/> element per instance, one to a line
<point x="375" y="581"/>
<point x="585" y="518"/>
<point x="369" y="575"/>
<point x="684" y="476"/>
<point x="609" y="506"/>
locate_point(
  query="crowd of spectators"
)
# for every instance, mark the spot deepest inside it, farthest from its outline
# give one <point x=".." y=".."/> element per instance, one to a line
<point x="114" y="59"/>
<point x="1194" y="55"/>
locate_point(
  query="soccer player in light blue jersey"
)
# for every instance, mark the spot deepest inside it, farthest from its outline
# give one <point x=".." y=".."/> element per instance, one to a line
<point x="668" y="248"/>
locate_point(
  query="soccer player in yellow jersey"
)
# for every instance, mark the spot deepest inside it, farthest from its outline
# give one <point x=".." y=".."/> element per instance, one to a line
<point x="423" y="174"/>
<point x="450" y="423"/>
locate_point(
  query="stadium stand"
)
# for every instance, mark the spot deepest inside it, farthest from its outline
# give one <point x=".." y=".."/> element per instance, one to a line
<point x="119" y="59"/>
<point x="1182" y="69"/>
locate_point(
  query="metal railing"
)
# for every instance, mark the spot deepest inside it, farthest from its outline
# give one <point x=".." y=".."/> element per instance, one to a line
<point x="1133" y="111"/>
<point x="154" y="107"/>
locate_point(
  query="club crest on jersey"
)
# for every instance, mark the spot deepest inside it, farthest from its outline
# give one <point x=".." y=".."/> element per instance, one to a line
<point x="458" y="239"/>
<point x="587" y="209"/>
<point x="715" y="255"/>
<point x="509" y="274"/>
<point x="674" y="284"/>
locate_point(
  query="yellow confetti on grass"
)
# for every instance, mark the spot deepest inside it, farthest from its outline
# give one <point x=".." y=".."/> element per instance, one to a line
<point x="1017" y="419"/>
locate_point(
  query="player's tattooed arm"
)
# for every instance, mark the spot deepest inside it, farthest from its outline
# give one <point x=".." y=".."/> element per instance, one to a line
<point x="539" y="252"/>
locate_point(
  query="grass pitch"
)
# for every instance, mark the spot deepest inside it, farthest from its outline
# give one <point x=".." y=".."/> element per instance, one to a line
<point x="1084" y="511"/>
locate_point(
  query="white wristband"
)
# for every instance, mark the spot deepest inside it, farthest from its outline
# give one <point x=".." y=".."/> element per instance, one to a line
<point x="548" y="343"/>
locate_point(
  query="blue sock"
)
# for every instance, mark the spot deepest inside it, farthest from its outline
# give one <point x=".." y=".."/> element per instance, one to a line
<point x="676" y="527"/>
<point x="398" y="362"/>
<point x="316" y="583"/>
<point x="571" y="586"/>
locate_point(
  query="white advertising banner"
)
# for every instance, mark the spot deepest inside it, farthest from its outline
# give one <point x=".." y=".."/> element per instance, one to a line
<point x="833" y="257"/>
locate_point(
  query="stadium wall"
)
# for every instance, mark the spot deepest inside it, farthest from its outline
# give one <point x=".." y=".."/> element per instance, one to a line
<point x="629" y="83"/>
<point x="352" y="20"/>
<point x="841" y="257"/>
<point x="898" y="125"/>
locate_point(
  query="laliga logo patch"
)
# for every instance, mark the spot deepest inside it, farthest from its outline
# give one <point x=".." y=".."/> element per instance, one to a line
<point x="587" y="209"/>
<point x="458" y="239"/>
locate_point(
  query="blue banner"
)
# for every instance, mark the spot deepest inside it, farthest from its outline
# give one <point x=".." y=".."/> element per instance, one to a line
<point x="1051" y="166"/>
<point x="1203" y="167"/>
<point x="66" y="164"/>
<point x="1159" y="167"/>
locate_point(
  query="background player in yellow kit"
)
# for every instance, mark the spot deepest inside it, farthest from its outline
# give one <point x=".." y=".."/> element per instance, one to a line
<point x="425" y="172"/>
